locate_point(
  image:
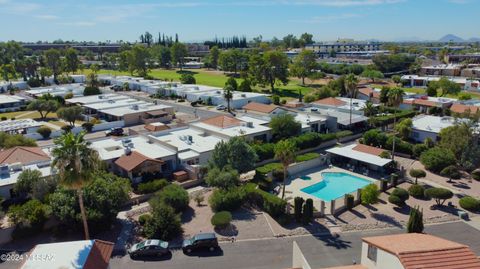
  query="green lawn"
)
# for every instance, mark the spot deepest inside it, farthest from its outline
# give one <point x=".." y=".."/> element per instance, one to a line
<point x="26" y="115"/>
<point x="218" y="79"/>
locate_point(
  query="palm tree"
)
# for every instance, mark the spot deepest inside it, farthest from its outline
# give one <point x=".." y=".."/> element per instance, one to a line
<point x="75" y="162"/>
<point x="285" y="153"/>
<point x="351" y="82"/>
<point x="369" y="109"/>
<point x="228" y="94"/>
<point x="395" y="98"/>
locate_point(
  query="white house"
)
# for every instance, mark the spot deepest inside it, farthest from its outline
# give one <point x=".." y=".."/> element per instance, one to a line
<point x="11" y="102"/>
<point x="424" y="126"/>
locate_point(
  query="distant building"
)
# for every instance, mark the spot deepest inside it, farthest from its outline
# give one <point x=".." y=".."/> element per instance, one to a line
<point x="22" y="126"/>
<point x="424" y="103"/>
<point x="422" y="81"/>
<point x="449" y="70"/>
<point x="404" y="251"/>
<point x="58" y="90"/>
<point x="345" y="47"/>
<point x="197" y="49"/>
<point x="16" y="84"/>
<point x="11" y="102"/>
<point x="472" y="58"/>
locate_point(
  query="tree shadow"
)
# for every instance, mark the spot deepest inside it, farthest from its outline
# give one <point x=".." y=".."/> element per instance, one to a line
<point x="230" y="230"/>
<point x="461" y="185"/>
<point x="335" y="241"/>
<point x="206" y="253"/>
<point x="386" y="219"/>
<point x="404" y="209"/>
<point x="188" y="215"/>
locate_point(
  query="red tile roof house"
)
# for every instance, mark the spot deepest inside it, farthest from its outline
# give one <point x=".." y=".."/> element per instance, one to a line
<point x="14" y="160"/>
<point x="85" y="254"/>
<point x="262" y="109"/>
<point x="406" y="251"/>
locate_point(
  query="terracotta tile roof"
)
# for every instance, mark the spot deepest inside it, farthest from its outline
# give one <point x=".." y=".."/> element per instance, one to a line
<point x="99" y="256"/>
<point x="24" y="155"/>
<point x="420" y="102"/>
<point x="223" y="121"/>
<point x="358" y="266"/>
<point x="368" y="149"/>
<point x="369" y="91"/>
<point x="460" y="108"/>
<point x="422" y="251"/>
<point x="259" y="107"/>
<point x="132" y="160"/>
<point x="330" y="101"/>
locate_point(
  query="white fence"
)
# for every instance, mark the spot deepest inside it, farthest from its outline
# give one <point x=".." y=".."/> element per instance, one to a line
<point x="297" y="168"/>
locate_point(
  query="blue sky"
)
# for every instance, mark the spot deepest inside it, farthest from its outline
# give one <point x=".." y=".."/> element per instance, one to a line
<point x="197" y="20"/>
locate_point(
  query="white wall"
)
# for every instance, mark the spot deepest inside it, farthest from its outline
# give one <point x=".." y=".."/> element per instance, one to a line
<point x="420" y="135"/>
<point x="384" y="259"/>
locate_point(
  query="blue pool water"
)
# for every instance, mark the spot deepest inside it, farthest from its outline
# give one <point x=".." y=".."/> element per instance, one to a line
<point x="335" y="185"/>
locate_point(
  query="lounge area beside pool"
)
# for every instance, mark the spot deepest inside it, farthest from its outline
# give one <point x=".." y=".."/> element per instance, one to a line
<point x="327" y="187"/>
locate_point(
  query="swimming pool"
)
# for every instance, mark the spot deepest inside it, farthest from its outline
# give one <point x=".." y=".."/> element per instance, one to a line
<point x="335" y="185"/>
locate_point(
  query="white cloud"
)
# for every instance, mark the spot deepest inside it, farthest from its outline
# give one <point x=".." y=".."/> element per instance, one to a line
<point x="79" y="23"/>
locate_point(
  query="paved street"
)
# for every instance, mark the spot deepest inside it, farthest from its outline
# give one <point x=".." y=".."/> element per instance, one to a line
<point x="321" y="252"/>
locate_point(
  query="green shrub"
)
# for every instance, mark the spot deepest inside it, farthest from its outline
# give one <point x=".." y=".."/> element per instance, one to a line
<point x="418" y="149"/>
<point x="268" y="168"/>
<point x="476" y="174"/>
<point x="342" y="134"/>
<point x="451" y="172"/>
<point x="349" y="201"/>
<point x="277" y="174"/>
<point x="440" y="195"/>
<point x="270" y="203"/>
<point x="415" y="221"/>
<point x="227" y="200"/>
<point x="66" y="128"/>
<point x="401" y="193"/>
<point x="307" y="157"/>
<point x="393" y="199"/>
<point x="298" y="204"/>
<point x="435" y="159"/>
<point x="87" y="126"/>
<point x="394" y="179"/>
<point x="416" y="173"/>
<point x="164" y="224"/>
<point x="152" y="186"/>
<point x="307" y="216"/>
<point x="144" y="218"/>
<point x="187" y="79"/>
<point x="172" y="195"/>
<point x="44" y="131"/>
<point x="469" y="203"/>
<point x="369" y="194"/>
<point x="416" y="191"/>
<point x="4" y="118"/>
<point x="221" y="219"/>
<point x="265" y="151"/>
<point x="384" y="184"/>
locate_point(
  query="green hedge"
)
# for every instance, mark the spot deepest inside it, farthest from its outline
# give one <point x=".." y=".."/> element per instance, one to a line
<point x="384" y="120"/>
<point x="268" y="168"/>
<point x="306" y="157"/>
<point x="227" y="200"/>
<point x="416" y="191"/>
<point x="342" y="134"/>
<point x="270" y="203"/>
<point x="152" y="186"/>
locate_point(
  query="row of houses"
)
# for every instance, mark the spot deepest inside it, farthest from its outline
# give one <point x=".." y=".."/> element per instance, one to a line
<point x="467" y="84"/>
<point x="192" y="93"/>
<point x="452" y="70"/>
<point x="115" y="107"/>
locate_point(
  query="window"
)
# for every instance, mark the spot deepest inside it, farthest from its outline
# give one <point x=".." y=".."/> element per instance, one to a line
<point x="372" y="253"/>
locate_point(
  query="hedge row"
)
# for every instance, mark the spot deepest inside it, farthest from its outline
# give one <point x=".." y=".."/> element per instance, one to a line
<point x="307" y="157"/>
<point x="384" y="120"/>
<point x="266" y="151"/>
<point x="270" y="203"/>
<point x="151" y="186"/>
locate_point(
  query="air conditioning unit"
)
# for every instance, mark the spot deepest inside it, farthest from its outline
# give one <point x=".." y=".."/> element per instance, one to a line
<point x="4" y="170"/>
<point x="135" y="107"/>
<point x="250" y="124"/>
<point x="243" y="95"/>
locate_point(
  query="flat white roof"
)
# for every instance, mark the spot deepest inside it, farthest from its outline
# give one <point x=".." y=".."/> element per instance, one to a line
<point x="348" y="152"/>
<point x="6" y="99"/>
<point x="71" y="255"/>
<point x="343" y="118"/>
<point x="179" y="139"/>
<point x="234" y="130"/>
<point x="111" y="103"/>
<point x="432" y="124"/>
<point x="121" y="111"/>
<point x="92" y="99"/>
<point x="11" y="125"/>
<point x="110" y="148"/>
<point x="43" y="167"/>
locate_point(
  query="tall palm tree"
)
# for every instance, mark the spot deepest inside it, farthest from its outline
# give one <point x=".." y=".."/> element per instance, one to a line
<point x="369" y="109"/>
<point x="395" y="98"/>
<point x="75" y="162"/>
<point x="351" y="82"/>
<point x="228" y="94"/>
<point x="285" y="153"/>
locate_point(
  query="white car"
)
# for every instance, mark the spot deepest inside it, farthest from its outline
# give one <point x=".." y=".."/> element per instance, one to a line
<point x="221" y="107"/>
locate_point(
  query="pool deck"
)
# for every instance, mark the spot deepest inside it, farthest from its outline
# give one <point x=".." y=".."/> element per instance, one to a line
<point x="294" y="186"/>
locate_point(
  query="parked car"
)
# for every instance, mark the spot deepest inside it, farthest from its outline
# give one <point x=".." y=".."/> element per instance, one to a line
<point x="203" y="241"/>
<point x="221" y="107"/>
<point x="150" y="247"/>
<point x="117" y="131"/>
